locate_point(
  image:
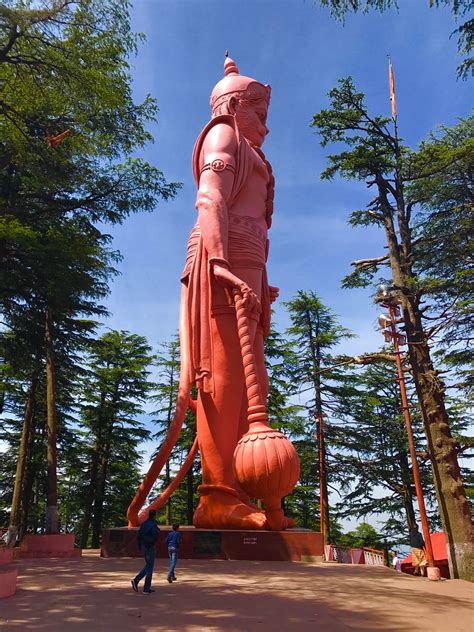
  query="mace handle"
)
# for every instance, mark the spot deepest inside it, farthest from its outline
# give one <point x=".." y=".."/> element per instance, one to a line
<point x="257" y="410"/>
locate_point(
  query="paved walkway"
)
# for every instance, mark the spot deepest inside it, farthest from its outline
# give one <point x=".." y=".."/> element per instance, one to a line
<point x="95" y="594"/>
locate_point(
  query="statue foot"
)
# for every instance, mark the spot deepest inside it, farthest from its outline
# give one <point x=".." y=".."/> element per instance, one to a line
<point x="223" y="510"/>
<point x="289" y="523"/>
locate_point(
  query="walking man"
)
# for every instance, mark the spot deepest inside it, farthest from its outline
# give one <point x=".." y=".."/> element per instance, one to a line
<point x="172" y="542"/>
<point x="147" y="539"/>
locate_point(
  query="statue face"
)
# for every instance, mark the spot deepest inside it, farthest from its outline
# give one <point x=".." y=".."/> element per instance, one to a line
<point x="251" y="118"/>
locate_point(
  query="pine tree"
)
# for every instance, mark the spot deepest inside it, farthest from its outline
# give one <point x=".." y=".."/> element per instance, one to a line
<point x="115" y="389"/>
<point x="375" y="155"/>
<point x="374" y="472"/>
<point x="69" y="126"/>
<point x="180" y="507"/>
<point x="314" y="333"/>
<point x="168" y="364"/>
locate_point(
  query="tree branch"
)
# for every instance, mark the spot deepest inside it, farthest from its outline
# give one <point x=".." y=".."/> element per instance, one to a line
<point x="363" y="264"/>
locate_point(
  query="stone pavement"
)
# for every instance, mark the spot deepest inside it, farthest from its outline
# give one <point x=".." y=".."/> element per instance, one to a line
<point x="94" y="594"/>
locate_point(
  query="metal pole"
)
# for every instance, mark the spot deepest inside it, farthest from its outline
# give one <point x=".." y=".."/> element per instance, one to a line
<point x="411" y="441"/>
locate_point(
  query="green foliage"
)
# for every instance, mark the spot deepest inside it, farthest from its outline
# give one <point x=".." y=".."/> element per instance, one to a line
<point x="180" y="507"/>
<point x="348" y="121"/>
<point x="313" y="335"/>
<point x="114" y="391"/>
<point x="65" y="68"/>
<point x="443" y="244"/>
<point x="363" y="536"/>
<point x="279" y="360"/>
<point x="427" y="196"/>
<point x="372" y="467"/>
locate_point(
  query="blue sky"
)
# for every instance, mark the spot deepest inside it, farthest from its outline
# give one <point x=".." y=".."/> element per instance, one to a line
<point x="301" y="52"/>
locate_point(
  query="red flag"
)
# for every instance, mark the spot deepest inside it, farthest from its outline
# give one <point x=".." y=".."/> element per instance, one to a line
<point x="391" y="82"/>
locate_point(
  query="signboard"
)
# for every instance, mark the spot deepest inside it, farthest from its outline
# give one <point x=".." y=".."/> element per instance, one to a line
<point x="207" y="542"/>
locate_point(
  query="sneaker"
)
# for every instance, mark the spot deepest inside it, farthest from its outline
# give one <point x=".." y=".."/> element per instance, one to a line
<point x="174" y="578"/>
<point x="170" y="581"/>
<point x="147" y="592"/>
<point x="134" y="585"/>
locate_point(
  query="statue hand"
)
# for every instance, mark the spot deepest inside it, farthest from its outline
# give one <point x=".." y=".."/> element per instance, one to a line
<point x="250" y="300"/>
<point x="274" y="292"/>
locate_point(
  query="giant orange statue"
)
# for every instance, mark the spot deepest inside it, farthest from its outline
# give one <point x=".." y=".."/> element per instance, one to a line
<point x="225" y="315"/>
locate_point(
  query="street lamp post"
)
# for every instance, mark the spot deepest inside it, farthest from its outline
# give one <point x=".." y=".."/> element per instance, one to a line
<point x="388" y="299"/>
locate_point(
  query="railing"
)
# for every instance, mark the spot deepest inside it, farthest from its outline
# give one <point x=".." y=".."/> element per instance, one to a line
<point x="346" y="555"/>
<point x="372" y="557"/>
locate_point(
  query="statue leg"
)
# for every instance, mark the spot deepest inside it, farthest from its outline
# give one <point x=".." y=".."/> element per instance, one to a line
<point x="218" y="424"/>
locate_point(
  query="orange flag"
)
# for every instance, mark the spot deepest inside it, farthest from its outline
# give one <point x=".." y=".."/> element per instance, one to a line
<point x="391" y="82"/>
<point x="55" y="140"/>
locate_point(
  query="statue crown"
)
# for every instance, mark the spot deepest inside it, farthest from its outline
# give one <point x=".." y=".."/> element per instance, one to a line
<point x="233" y="82"/>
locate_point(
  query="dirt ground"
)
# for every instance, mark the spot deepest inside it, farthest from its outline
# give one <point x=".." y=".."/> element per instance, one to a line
<point x="95" y="594"/>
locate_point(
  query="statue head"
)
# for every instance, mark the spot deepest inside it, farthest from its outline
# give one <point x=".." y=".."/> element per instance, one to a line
<point x="244" y="98"/>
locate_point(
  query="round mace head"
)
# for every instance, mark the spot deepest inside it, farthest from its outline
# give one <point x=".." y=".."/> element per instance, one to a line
<point x="233" y="83"/>
<point x="266" y="464"/>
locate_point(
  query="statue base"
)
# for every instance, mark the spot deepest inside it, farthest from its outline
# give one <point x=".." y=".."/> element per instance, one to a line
<point x="292" y="545"/>
<point x="8" y="573"/>
<point x="45" y="546"/>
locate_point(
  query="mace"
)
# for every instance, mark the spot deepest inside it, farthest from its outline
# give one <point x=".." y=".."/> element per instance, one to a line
<point x="266" y="465"/>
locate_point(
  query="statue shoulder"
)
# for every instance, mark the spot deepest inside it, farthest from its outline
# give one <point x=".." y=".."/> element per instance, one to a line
<point x="219" y="136"/>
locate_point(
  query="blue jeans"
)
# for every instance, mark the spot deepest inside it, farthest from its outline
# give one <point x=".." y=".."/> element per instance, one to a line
<point x="149" y="555"/>
<point x="173" y="559"/>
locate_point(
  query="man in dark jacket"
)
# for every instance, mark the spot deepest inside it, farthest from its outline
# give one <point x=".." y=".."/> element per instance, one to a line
<point x="147" y="539"/>
<point x="418" y="557"/>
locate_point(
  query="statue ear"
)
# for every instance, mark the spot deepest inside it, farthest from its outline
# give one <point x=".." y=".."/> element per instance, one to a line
<point x="232" y="105"/>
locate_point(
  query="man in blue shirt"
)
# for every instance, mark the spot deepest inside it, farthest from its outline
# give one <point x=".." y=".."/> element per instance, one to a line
<point x="172" y="542"/>
<point x="147" y="539"/>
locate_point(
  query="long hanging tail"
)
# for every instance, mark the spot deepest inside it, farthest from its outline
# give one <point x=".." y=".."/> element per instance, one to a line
<point x="182" y="403"/>
<point x="163" y="497"/>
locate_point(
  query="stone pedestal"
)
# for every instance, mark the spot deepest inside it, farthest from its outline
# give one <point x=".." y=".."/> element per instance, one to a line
<point x="433" y="573"/>
<point x="8" y="573"/>
<point x="296" y="545"/>
<point x="55" y="545"/>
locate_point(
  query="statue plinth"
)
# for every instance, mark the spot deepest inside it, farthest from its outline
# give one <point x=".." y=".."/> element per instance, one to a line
<point x="8" y="573"/>
<point x="292" y="545"/>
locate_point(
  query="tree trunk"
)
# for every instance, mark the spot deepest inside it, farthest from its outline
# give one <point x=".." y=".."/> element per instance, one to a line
<point x="89" y="501"/>
<point x="453" y="504"/>
<point x="326" y="503"/>
<point x="305" y="512"/>
<point x="52" y="495"/>
<point x="91" y="492"/>
<point x="29" y="477"/>
<point x="100" y="496"/>
<point x="18" y="489"/>
<point x="407" y="494"/>
<point x="408" y="506"/>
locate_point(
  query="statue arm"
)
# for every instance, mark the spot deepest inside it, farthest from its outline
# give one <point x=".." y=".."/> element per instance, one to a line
<point x="215" y="189"/>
